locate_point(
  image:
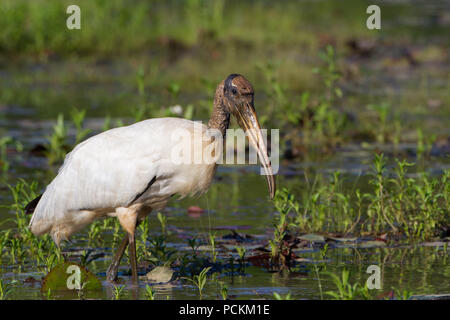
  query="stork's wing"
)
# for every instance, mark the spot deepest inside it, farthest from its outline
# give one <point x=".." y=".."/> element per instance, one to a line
<point x="109" y="170"/>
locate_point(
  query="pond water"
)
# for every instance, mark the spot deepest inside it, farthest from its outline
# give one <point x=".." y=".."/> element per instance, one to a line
<point x="238" y="201"/>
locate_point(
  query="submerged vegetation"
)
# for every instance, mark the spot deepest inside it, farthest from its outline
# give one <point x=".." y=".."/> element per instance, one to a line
<point x="397" y="208"/>
<point x="397" y="203"/>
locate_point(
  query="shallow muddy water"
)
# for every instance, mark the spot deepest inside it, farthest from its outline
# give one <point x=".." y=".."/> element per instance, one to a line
<point x="238" y="201"/>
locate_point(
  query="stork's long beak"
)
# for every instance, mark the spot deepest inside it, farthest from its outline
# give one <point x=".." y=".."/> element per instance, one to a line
<point x="248" y="121"/>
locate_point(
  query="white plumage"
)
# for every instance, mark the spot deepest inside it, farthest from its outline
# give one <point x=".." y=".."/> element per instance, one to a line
<point x="129" y="171"/>
<point x="109" y="170"/>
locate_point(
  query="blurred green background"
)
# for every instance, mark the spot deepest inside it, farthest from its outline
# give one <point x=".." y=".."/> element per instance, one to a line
<point x="135" y="59"/>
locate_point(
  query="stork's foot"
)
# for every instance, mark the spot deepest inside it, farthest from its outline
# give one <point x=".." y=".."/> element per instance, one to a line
<point x="111" y="273"/>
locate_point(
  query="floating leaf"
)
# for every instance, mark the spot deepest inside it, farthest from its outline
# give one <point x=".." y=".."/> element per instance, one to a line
<point x="372" y="244"/>
<point x="343" y="239"/>
<point x="312" y="237"/>
<point x="62" y="276"/>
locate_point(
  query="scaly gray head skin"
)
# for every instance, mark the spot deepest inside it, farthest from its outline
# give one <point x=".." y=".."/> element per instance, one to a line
<point x="238" y="98"/>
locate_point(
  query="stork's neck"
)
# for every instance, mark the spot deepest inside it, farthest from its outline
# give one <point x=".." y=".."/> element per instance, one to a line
<point x="220" y="117"/>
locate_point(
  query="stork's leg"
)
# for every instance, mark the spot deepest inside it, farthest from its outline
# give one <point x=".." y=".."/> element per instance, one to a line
<point x="132" y="255"/>
<point x="111" y="274"/>
<point x="128" y="218"/>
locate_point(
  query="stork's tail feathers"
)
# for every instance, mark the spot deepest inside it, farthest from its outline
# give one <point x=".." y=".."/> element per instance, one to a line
<point x="29" y="208"/>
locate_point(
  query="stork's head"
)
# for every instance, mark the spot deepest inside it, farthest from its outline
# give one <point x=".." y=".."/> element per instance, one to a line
<point x="238" y="100"/>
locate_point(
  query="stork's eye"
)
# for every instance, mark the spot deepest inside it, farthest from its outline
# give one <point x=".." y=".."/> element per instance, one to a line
<point x="234" y="91"/>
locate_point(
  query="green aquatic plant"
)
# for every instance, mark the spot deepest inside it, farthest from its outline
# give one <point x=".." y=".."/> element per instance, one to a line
<point x="345" y="289"/>
<point x="212" y="241"/>
<point x="193" y="243"/>
<point x="140" y="112"/>
<point x="321" y="267"/>
<point x="402" y="294"/>
<point x="277" y="98"/>
<point x="285" y="204"/>
<point x="163" y="221"/>
<point x="189" y="112"/>
<point x="58" y="145"/>
<point x="86" y="257"/>
<point x="322" y="206"/>
<point x="78" y="121"/>
<point x="415" y="207"/>
<point x="57" y="142"/>
<point x="159" y="253"/>
<point x="200" y="280"/>
<point x="424" y="143"/>
<point x="5" y="290"/>
<point x="140" y="81"/>
<point x="329" y="72"/>
<point x="380" y="125"/>
<point x="48" y="259"/>
<point x="39" y="245"/>
<point x="4" y="239"/>
<point x="141" y="243"/>
<point x="49" y="295"/>
<point x="316" y="115"/>
<point x="376" y="210"/>
<point x="328" y="121"/>
<point x="241" y="252"/>
<point x="150" y="293"/>
<point x="174" y="90"/>
<point x="223" y="290"/>
<point x="16" y="250"/>
<point x="277" y="296"/>
<point x="117" y="229"/>
<point x="22" y="193"/>
<point x="106" y="123"/>
<point x="118" y="292"/>
<point x="4" y="163"/>
<point x="95" y="232"/>
<point x="396" y="203"/>
<point x="326" y="206"/>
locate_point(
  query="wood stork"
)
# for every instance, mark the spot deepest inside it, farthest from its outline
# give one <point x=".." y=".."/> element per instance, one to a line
<point x="127" y="172"/>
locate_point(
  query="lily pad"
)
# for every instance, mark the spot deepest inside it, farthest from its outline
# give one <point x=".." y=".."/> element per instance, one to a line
<point x="372" y="244"/>
<point x="353" y="239"/>
<point x="304" y="250"/>
<point x="363" y="245"/>
<point x="63" y="277"/>
<point x="312" y="237"/>
<point x="161" y="274"/>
